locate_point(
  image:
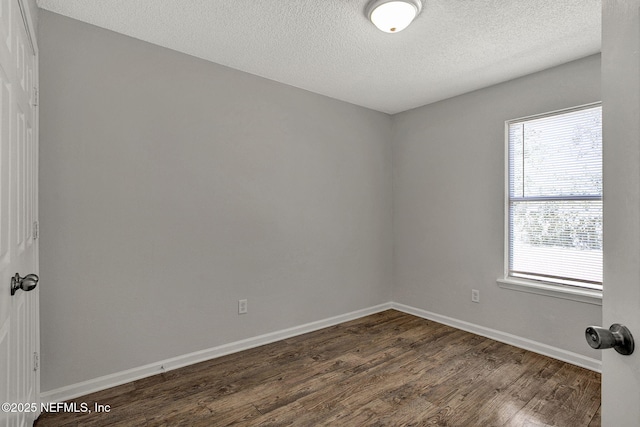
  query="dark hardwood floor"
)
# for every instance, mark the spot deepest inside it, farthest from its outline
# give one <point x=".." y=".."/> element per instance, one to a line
<point x="387" y="369"/>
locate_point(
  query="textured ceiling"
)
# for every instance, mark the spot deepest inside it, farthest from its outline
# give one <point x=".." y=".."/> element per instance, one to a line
<point x="329" y="47"/>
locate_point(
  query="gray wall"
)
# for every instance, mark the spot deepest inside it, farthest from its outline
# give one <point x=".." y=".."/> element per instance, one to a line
<point x="171" y="187"/>
<point x="448" y="162"/>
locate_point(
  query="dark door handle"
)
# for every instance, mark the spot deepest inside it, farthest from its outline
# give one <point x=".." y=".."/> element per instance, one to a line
<point x="617" y="337"/>
<point x="26" y="283"/>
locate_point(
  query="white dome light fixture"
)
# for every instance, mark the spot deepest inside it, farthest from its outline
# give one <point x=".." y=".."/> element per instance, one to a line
<point x="393" y="16"/>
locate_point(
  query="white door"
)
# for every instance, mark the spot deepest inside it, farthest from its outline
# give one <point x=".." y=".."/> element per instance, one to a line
<point x="19" y="378"/>
<point x="621" y="145"/>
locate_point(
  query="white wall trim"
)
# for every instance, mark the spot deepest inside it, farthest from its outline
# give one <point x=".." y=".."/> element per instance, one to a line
<point x="514" y="340"/>
<point x="101" y="383"/>
<point x="587" y="296"/>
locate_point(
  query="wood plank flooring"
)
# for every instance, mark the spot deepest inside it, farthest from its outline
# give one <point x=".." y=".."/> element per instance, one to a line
<point x="387" y="369"/>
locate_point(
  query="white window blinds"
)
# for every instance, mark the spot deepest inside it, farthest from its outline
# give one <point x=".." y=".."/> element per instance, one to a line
<point x="555" y="198"/>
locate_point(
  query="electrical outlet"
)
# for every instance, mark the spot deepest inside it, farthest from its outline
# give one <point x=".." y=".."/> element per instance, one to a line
<point x="475" y="295"/>
<point x="242" y="306"/>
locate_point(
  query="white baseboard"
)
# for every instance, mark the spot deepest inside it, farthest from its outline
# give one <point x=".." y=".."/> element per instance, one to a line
<point x="514" y="340"/>
<point x="101" y="383"/>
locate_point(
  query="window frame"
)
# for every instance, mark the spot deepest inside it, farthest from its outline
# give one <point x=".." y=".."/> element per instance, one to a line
<point x="540" y="287"/>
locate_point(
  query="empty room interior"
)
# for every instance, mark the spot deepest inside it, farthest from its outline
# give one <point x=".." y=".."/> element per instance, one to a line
<point x="304" y="213"/>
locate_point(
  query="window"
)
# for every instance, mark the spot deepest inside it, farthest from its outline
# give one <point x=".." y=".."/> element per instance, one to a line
<point x="554" y="198"/>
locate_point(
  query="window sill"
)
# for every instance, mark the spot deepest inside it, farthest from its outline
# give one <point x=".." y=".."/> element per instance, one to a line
<point x="551" y="290"/>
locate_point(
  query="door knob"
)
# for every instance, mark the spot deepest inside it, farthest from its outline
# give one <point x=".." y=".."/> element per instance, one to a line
<point x="617" y="336"/>
<point x="26" y="283"/>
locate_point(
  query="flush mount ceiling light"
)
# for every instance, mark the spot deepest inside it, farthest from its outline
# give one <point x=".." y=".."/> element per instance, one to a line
<point x="392" y="16"/>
